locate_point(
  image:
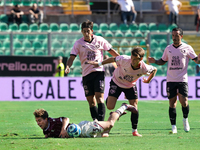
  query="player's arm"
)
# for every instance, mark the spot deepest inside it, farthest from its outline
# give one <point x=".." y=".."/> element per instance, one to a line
<point x="179" y="6"/>
<point x="158" y="62"/>
<point x="106" y="61"/>
<point x="65" y="123"/>
<point x="197" y="59"/>
<point x="113" y="52"/>
<point x="152" y="74"/>
<point x="69" y="63"/>
<point x="46" y="136"/>
<point x="114" y="1"/>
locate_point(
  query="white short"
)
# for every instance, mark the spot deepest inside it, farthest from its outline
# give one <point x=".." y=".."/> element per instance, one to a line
<point x="90" y="129"/>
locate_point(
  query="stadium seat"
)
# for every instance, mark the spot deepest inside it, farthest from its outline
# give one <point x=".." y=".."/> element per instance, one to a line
<point x="74" y="27"/>
<point x="17" y="44"/>
<point x="64" y="27"/>
<point x="128" y="52"/>
<point x="158" y="54"/>
<point x="95" y="27"/>
<point x="119" y="35"/>
<point x="113" y="27"/>
<point x="134" y="42"/>
<point x="103" y="27"/>
<point x="99" y="33"/>
<point x="17" y="2"/>
<point x="4" y="37"/>
<point x="77" y="71"/>
<point x="44" y="27"/>
<point x="67" y="53"/>
<point x="129" y="35"/>
<point x="27" y="2"/>
<point x="77" y="63"/>
<point x="66" y="45"/>
<point x="3" y="27"/>
<point x="37" y="45"/>
<point x="1" y="52"/>
<point x="1" y="46"/>
<point x="54" y="27"/>
<point x="19" y="52"/>
<point x="143" y="27"/>
<point x="56" y="3"/>
<point x="25" y="19"/>
<point x="7" y="52"/>
<point x="29" y="53"/>
<point x="6" y="44"/>
<point x="124" y="44"/>
<point x="42" y="37"/>
<point x="33" y="27"/>
<point x="123" y="27"/>
<point x="23" y="27"/>
<point x="59" y="53"/>
<point x="26" y="45"/>
<point x="32" y="37"/>
<point x="191" y="71"/>
<point x="138" y="34"/>
<point x="109" y="34"/>
<point x="56" y="45"/>
<point x="133" y="27"/>
<point x="163" y="44"/>
<point x="172" y="26"/>
<point x="39" y="52"/>
<point x="114" y="43"/>
<point x="47" y="3"/>
<point x="4" y="18"/>
<point x="13" y="27"/>
<point x="143" y="42"/>
<point x="160" y="71"/>
<point x="153" y="27"/>
<point x="154" y="44"/>
<point x="20" y="37"/>
<point x="162" y="28"/>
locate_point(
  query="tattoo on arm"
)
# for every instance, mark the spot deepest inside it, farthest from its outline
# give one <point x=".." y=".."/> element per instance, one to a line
<point x="160" y="62"/>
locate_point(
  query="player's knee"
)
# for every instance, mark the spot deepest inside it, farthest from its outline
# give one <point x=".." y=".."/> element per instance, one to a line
<point x="110" y="107"/>
<point x="111" y="124"/>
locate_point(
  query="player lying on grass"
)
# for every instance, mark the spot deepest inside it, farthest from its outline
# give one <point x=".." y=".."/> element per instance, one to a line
<point x="129" y="69"/>
<point x="57" y="127"/>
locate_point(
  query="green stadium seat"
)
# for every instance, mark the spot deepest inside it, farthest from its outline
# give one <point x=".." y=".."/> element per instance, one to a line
<point x="134" y="43"/>
<point x="6" y="44"/>
<point x="19" y="52"/>
<point x="23" y="27"/>
<point x="42" y="37"/>
<point x="56" y="45"/>
<point x="143" y="42"/>
<point x="153" y="27"/>
<point x="143" y="27"/>
<point x="45" y="44"/>
<point x="77" y="71"/>
<point x="160" y="71"/>
<point x="99" y="33"/>
<point x="191" y="71"/>
<point x="162" y="28"/>
<point x="154" y="44"/>
<point x="27" y="2"/>
<point x="138" y="34"/>
<point x="9" y="3"/>
<point x="44" y="27"/>
<point x="64" y="27"/>
<point x="37" y="45"/>
<point x="54" y="27"/>
<point x="39" y="52"/>
<point x="133" y="27"/>
<point x="4" y="18"/>
<point x="77" y="63"/>
<point x="59" y="53"/>
<point x="158" y="54"/>
<point x="67" y="53"/>
<point x="1" y="2"/>
<point x="29" y="52"/>
<point x="26" y="45"/>
<point x="17" y="44"/>
<point x="7" y="52"/>
<point x="119" y="35"/>
<point x="32" y="37"/>
<point x="20" y="37"/>
<point x="163" y="44"/>
<point x="104" y="27"/>
<point x="17" y="2"/>
<point x="124" y="44"/>
<point x="74" y="27"/>
<point x="95" y="27"/>
<point x="172" y="26"/>
<point x="1" y="52"/>
<point x="113" y="27"/>
<point x="47" y="3"/>
<point x="1" y="46"/>
<point x="129" y="35"/>
<point x="66" y="45"/>
<point x="4" y="37"/>
<point x="56" y="3"/>
<point x="3" y="27"/>
<point x="13" y="27"/>
<point x="33" y="27"/>
<point x="128" y="52"/>
<point x="115" y="43"/>
<point x="109" y="34"/>
<point x="123" y="27"/>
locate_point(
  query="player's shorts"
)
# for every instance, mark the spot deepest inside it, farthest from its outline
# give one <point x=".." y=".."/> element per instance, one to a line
<point x="115" y="91"/>
<point x="94" y="82"/>
<point x="90" y="129"/>
<point x="177" y="87"/>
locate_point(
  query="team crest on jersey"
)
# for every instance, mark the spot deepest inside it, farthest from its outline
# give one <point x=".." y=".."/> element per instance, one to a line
<point x="139" y="75"/>
<point x="97" y="46"/>
<point x="91" y="55"/>
<point x="125" y="70"/>
<point x="183" y="51"/>
<point x="128" y="78"/>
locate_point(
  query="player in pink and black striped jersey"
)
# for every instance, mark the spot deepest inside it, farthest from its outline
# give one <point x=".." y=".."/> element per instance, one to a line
<point x="57" y="127"/>
<point x="177" y="55"/>
<point x="90" y="48"/>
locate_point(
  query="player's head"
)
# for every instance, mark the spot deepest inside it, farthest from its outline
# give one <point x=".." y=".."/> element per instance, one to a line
<point x="41" y="117"/>
<point x="60" y="58"/>
<point x="177" y="34"/>
<point x="137" y="55"/>
<point x="87" y="30"/>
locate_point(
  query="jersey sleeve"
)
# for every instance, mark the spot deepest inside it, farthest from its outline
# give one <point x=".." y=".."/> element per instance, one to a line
<point x="75" y="48"/>
<point x="106" y="45"/>
<point x="148" y="69"/>
<point x="165" y="56"/>
<point x="191" y="53"/>
<point x="119" y="59"/>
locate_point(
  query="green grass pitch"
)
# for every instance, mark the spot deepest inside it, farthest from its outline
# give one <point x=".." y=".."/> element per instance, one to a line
<point x="19" y="131"/>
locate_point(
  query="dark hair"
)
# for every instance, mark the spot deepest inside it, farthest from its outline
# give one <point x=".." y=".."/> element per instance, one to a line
<point x="41" y="113"/>
<point x="178" y="29"/>
<point x="16" y="5"/>
<point x="138" y="52"/>
<point x="87" y="24"/>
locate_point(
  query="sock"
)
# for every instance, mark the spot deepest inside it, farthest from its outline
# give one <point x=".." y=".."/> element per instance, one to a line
<point x="134" y="120"/>
<point x="172" y="115"/>
<point x="133" y="130"/>
<point x="94" y="112"/>
<point x="101" y="111"/>
<point x="185" y="111"/>
<point x="121" y="109"/>
<point x="106" y="101"/>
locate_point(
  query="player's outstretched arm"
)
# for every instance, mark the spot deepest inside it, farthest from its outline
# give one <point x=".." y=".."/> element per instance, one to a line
<point x="113" y="52"/>
<point x="197" y="60"/>
<point x="97" y="64"/>
<point x="63" y="133"/>
<point x="69" y="64"/>
<point x="158" y="62"/>
<point x="148" y="80"/>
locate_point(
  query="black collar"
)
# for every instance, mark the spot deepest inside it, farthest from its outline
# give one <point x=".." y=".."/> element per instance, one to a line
<point x="177" y="46"/>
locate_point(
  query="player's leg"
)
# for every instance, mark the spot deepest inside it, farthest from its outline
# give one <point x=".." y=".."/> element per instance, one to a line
<point x="172" y="96"/>
<point x="99" y="85"/>
<point x="93" y="108"/>
<point x="183" y="98"/>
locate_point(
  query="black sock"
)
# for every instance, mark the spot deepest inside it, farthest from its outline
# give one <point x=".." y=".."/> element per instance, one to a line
<point x="106" y="101"/>
<point x="172" y="115"/>
<point x="185" y="111"/>
<point x="101" y="111"/>
<point x="94" y="112"/>
<point x="134" y="120"/>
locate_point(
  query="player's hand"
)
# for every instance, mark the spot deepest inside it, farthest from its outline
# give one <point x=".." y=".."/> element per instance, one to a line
<point x="67" y="70"/>
<point x="151" y="60"/>
<point x="63" y="134"/>
<point x="144" y="80"/>
<point x="94" y="63"/>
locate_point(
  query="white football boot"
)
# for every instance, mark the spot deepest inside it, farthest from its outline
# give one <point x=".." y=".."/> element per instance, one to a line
<point x="186" y="125"/>
<point x="174" y="129"/>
